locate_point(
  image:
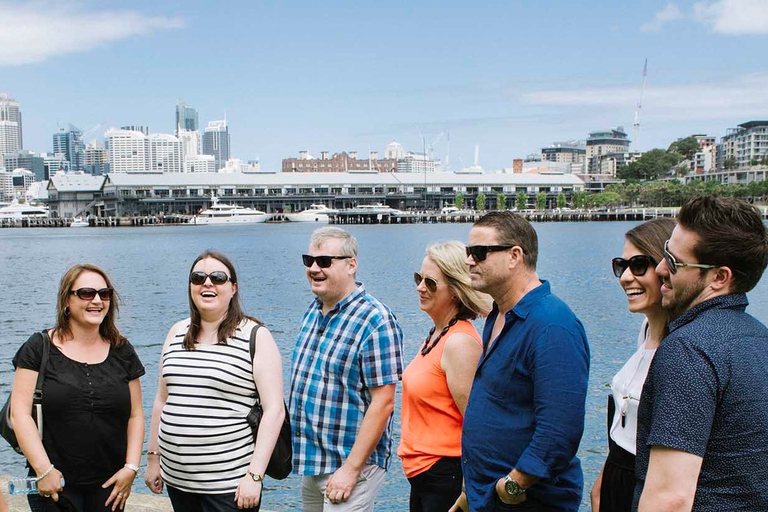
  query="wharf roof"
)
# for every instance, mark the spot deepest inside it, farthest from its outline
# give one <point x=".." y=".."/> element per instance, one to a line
<point x="76" y="182"/>
<point x="330" y="179"/>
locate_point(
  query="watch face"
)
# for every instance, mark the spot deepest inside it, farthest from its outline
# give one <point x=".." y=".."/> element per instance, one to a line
<point x="512" y="488"/>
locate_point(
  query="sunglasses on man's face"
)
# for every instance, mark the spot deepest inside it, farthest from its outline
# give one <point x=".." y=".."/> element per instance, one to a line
<point x="637" y="264"/>
<point x="480" y="252"/>
<point x="218" y="277"/>
<point x="322" y="261"/>
<point x="430" y="283"/>
<point x="90" y="293"/>
<point x="673" y="265"/>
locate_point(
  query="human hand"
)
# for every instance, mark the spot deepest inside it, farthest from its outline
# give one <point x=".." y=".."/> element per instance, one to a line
<point x="248" y="493"/>
<point x="461" y="504"/>
<point x="50" y="485"/>
<point x="121" y="488"/>
<point x="501" y="492"/>
<point x="153" y="478"/>
<point x="341" y="484"/>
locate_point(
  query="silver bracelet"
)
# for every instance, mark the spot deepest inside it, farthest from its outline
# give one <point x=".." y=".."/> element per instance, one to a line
<point x="45" y="473"/>
<point x="132" y="467"/>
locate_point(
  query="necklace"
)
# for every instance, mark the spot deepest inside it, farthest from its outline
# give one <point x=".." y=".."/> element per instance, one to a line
<point x="427" y="348"/>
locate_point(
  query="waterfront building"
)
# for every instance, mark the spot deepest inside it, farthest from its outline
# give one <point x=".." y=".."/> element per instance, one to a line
<point x="75" y="195"/>
<point x="96" y="158"/>
<point x="571" y="152"/>
<point x="216" y="142"/>
<point x="53" y="163"/>
<point x="10" y="125"/>
<point x="128" y="150"/>
<point x="418" y="163"/>
<point x="69" y="142"/>
<point x="28" y="160"/>
<point x="165" y="153"/>
<point x="186" y="118"/>
<point x="15" y="184"/>
<point x="601" y="144"/>
<point x="339" y="162"/>
<point x="237" y="165"/>
<point x="200" y="163"/>
<point x="745" y="145"/>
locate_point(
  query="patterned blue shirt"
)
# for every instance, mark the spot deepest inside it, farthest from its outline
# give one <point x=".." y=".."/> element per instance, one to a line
<point x="338" y="357"/>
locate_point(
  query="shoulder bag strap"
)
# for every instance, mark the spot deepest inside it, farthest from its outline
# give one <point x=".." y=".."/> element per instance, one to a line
<point x="37" y="398"/>
<point x="252" y="349"/>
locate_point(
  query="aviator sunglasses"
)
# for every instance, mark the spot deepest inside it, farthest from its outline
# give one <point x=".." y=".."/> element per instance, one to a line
<point x="90" y="293"/>
<point x="673" y="264"/>
<point x="637" y="264"/>
<point x="430" y="283"/>
<point x="322" y="261"/>
<point x="218" y="277"/>
<point x="480" y="252"/>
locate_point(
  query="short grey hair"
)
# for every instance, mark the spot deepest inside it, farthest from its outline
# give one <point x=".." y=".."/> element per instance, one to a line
<point x="348" y="242"/>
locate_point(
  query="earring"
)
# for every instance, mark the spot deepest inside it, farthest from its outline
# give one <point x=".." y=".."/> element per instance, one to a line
<point x="66" y="311"/>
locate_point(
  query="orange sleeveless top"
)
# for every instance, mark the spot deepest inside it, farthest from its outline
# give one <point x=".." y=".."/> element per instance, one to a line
<point x="431" y="422"/>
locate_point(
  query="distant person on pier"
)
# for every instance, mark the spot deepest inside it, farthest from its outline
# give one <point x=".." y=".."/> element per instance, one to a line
<point x="200" y="443"/>
<point x="525" y="415"/>
<point x="93" y="422"/>
<point x="346" y="364"/>
<point x="702" y="434"/>
<point x="643" y="250"/>
<point x="437" y="382"/>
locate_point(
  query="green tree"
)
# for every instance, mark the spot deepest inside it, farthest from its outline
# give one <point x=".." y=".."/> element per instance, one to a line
<point x="522" y="200"/>
<point x="579" y="200"/>
<point x="458" y="201"/>
<point x="541" y="200"/>
<point x="651" y="165"/>
<point x="480" y="201"/>
<point x="501" y="202"/>
<point x="686" y="147"/>
<point x="560" y="200"/>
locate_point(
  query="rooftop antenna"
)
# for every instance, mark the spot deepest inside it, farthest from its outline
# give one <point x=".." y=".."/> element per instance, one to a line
<point x="639" y="106"/>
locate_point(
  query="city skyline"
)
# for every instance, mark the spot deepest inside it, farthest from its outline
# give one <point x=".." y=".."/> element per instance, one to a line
<point x="510" y="77"/>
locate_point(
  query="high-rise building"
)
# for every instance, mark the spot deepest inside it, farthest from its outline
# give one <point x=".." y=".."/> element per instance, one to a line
<point x="96" y="161"/>
<point x="602" y="144"/>
<point x="69" y="142"/>
<point x="190" y="143"/>
<point x="10" y="125"/>
<point x="128" y="150"/>
<point x="165" y="153"/>
<point x="216" y="142"/>
<point x="28" y="160"/>
<point x="744" y="146"/>
<point x="200" y="163"/>
<point x="53" y="163"/>
<point x="186" y="118"/>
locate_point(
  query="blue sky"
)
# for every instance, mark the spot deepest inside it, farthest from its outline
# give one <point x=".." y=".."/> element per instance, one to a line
<point x="510" y="76"/>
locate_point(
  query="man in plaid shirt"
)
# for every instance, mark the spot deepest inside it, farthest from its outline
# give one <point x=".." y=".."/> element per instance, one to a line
<point x="345" y="367"/>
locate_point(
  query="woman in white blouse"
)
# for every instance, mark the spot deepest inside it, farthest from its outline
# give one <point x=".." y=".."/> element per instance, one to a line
<point x="643" y="250"/>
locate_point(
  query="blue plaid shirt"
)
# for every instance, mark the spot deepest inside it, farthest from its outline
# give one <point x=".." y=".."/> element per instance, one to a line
<point x="337" y="359"/>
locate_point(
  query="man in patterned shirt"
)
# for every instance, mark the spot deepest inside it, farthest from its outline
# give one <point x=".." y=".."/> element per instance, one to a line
<point x="346" y="364"/>
<point x="702" y="433"/>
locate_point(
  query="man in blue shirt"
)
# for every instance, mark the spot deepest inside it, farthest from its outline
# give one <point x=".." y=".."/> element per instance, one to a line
<point x="346" y="364"/>
<point x="525" y="415"/>
<point x="702" y="433"/>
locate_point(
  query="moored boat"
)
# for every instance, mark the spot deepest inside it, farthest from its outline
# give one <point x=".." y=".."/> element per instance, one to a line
<point x="315" y="213"/>
<point x="222" y="213"/>
<point x="18" y="211"/>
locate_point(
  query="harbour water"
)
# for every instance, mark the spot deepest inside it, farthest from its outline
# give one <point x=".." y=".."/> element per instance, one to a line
<point x="149" y="266"/>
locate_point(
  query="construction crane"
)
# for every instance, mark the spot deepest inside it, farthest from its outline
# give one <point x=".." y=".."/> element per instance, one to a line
<point x="639" y="106"/>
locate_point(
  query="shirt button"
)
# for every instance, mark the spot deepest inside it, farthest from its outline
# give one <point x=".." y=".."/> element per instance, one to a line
<point x="466" y="461"/>
<point x="298" y="406"/>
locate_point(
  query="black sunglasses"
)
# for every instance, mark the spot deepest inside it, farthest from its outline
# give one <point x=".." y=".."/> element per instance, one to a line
<point x="322" y="261"/>
<point x="218" y="277"/>
<point x="430" y="283"/>
<point x="90" y="293"/>
<point x="480" y="252"/>
<point x="637" y="264"/>
<point x="672" y="263"/>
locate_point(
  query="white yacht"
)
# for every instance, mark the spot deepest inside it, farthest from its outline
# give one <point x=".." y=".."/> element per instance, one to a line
<point x="79" y="222"/>
<point x="221" y="213"/>
<point x="377" y="208"/>
<point x="315" y="213"/>
<point x="23" y="211"/>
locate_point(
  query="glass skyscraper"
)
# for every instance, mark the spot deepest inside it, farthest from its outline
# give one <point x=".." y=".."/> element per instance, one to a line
<point x="216" y="142"/>
<point x="186" y="118"/>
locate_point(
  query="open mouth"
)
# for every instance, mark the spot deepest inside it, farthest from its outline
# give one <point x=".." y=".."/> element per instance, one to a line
<point x="208" y="294"/>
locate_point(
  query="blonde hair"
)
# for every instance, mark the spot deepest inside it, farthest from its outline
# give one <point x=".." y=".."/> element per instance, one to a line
<point x="449" y="258"/>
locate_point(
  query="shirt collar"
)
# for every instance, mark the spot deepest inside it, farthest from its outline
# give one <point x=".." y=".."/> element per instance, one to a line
<point x="732" y="300"/>
<point x="343" y="303"/>
<point x="524" y="305"/>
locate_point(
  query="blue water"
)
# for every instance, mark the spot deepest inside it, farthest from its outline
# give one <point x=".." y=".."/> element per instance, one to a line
<point x="149" y="266"/>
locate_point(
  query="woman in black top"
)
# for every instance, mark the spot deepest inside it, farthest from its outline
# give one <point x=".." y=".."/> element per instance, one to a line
<point x="93" y="422"/>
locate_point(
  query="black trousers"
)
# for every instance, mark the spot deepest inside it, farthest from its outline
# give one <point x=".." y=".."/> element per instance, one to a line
<point x="436" y="489"/>
<point x="74" y="498"/>
<point x="183" y="501"/>
<point x="617" y="488"/>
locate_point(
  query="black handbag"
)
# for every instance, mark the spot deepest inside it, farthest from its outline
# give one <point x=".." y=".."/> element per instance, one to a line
<point x="6" y="427"/>
<point x="280" y="463"/>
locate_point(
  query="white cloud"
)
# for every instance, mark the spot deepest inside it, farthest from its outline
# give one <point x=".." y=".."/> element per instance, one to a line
<point x="670" y="12"/>
<point x="733" y="17"/>
<point x="739" y="98"/>
<point x="34" y="32"/>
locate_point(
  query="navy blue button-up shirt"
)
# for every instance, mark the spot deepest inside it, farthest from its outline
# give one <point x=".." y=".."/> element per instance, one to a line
<point x="526" y="408"/>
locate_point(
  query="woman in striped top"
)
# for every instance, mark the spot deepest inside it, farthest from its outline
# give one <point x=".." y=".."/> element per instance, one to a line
<point x="200" y="443"/>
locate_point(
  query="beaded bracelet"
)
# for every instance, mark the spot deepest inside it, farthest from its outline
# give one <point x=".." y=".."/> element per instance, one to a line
<point x="45" y="473"/>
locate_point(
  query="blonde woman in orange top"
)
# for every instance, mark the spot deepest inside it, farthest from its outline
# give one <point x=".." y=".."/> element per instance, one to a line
<point x="437" y="382"/>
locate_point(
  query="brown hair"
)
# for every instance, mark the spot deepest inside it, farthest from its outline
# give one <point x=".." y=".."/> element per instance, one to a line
<point x="730" y="234"/>
<point x="513" y="229"/>
<point x="107" y="329"/>
<point x="649" y="237"/>
<point x="235" y="314"/>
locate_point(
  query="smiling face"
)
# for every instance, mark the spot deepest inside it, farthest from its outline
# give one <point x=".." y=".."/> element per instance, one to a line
<point x="440" y="302"/>
<point x="88" y="313"/>
<point x="643" y="292"/>
<point x="334" y="283"/>
<point x="689" y="286"/>
<point x="212" y="300"/>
